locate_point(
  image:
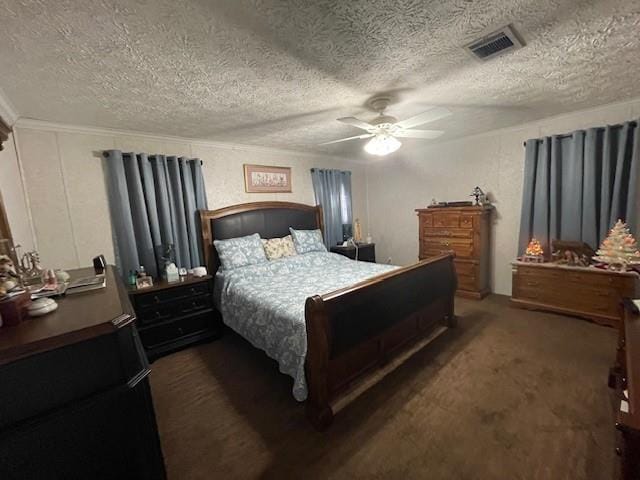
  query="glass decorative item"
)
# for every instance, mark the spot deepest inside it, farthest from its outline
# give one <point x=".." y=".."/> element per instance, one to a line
<point x="619" y="250"/>
<point x="534" y="252"/>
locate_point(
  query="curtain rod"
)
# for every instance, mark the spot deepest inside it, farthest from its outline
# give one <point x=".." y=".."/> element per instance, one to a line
<point x="565" y="135"/>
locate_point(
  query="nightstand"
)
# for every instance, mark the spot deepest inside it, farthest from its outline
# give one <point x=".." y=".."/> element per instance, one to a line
<point x="171" y="316"/>
<point x="366" y="252"/>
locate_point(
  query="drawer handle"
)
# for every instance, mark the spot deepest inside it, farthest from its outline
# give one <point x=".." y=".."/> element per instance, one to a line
<point x="445" y="244"/>
<point x="159" y="316"/>
<point x="533" y="284"/>
<point x="194" y="306"/>
<point x="180" y="331"/>
<point x="156" y="299"/>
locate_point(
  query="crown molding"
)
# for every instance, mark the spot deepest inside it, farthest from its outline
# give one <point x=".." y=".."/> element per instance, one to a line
<point x="7" y="110"/>
<point x="33" y="124"/>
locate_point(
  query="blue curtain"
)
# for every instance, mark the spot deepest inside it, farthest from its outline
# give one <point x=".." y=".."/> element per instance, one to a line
<point x="154" y="201"/>
<point x="576" y="186"/>
<point x="332" y="189"/>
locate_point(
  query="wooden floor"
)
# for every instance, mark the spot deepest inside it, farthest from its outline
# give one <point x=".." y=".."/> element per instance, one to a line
<point x="509" y="394"/>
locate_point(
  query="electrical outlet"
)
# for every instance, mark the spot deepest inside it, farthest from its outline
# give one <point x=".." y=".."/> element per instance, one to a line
<point x="389" y="261"/>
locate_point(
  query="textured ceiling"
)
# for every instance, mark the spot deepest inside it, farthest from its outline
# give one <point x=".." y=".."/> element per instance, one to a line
<point x="278" y="72"/>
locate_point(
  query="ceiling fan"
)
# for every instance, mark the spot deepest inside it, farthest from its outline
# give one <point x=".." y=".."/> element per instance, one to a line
<point x="385" y="129"/>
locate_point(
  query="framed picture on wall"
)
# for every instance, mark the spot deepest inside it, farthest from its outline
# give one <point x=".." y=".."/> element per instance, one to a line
<point x="266" y="179"/>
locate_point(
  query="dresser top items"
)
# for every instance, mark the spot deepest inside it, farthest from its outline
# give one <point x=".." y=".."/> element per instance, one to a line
<point x="78" y="317"/>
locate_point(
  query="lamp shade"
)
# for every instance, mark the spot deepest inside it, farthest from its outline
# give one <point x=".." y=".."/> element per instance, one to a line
<point x="382" y="145"/>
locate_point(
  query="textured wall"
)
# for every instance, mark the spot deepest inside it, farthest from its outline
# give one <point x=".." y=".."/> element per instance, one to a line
<point x="66" y="188"/>
<point x="13" y="196"/>
<point x="449" y="171"/>
<point x="279" y="72"/>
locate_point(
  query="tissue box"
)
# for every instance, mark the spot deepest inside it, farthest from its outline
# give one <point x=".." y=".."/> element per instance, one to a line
<point x="14" y="310"/>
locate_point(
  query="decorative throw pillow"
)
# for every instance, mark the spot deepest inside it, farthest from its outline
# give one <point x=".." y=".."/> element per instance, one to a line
<point x="279" y="247"/>
<point x="308" y="241"/>
<point x="240" y="251"/>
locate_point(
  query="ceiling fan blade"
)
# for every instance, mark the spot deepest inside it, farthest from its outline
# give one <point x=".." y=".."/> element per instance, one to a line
<point x="418" y="133"/>
<point x="366" y="135"/>
<point x="430" y="115"/>
<point x="356" y="123"/>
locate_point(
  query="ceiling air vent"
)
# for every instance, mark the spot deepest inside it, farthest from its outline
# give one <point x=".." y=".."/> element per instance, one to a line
<point x="494" y="44"/>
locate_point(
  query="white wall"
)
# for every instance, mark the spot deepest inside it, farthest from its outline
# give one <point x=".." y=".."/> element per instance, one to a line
<point x="66" y="188"/>
<point x="12" y="192"/>
<point x="399" y="184"/>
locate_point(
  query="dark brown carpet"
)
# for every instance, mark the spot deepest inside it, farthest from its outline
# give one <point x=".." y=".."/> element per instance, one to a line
<point x="509" y="394"/>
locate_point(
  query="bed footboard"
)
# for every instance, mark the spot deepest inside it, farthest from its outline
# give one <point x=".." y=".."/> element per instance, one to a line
<point x="351" y="332"/>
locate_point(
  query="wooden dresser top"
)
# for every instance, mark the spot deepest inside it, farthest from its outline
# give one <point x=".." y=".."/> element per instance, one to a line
<point x="467" y="209"/>
<point x="556" y="266"/>
<point x="79" y="317"/>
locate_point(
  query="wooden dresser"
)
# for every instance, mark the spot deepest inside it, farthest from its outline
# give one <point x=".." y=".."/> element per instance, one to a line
<point x="590" y="293"/>
<point x="465" y="233"/>
<point x="624" y="377"/>
<point x="75" y="400"/>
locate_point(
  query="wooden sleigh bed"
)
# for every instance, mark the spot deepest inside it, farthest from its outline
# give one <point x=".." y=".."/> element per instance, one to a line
<point x="356" y="334"/>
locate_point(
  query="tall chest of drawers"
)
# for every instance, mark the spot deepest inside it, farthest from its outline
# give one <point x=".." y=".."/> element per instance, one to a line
<point x="465" y="233"/>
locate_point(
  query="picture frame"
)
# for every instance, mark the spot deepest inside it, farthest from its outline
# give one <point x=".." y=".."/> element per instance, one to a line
<point x="267" y="179"/>
<point x="144" y="282"/>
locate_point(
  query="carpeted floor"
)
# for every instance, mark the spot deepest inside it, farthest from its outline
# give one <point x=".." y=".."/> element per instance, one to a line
<point x="509" y="394"/>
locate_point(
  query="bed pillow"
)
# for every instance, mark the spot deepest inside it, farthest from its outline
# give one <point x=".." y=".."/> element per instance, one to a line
<point x="240" y="251"/>
<point x="307" y="241"/>
<point x="276" y="248"/>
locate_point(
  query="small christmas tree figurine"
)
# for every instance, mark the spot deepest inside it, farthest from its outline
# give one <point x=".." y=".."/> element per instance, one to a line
<point x="534" y="248"/>
<point x="534" y="252"/>
<point x="619" y="249"/>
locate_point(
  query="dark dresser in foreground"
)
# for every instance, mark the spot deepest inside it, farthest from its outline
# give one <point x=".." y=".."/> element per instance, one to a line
<point x="75" y="401"/>
<point x="624" y="378"/>
<point x="366" y="252"/>
<point x="171" y="316"/>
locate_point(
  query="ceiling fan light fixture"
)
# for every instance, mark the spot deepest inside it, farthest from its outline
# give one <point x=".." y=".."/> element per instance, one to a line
<point x="382" y="145"/>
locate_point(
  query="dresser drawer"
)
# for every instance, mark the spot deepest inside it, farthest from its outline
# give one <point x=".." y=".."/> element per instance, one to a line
<point x="467" y="282"/>
<point x="171" y="294"/>
<point x="166" y="310"/>
<point x="466" y="221"/>
<point x="462" y="250"/>
<point x="446" y="220"/>
<point x="448" y="232"/>
<point x="427" y="220"/>
<point x="599" y="301"/>
<point x="574" y="277"/>
<point x="157" y="335"/>
<point x="466" y="268"/>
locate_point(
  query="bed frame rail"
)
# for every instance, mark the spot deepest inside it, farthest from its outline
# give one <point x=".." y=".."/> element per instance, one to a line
<point x="352" y="331"/>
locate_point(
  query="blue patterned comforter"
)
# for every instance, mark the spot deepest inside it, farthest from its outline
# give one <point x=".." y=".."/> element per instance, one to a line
<point x="265" y="303"/>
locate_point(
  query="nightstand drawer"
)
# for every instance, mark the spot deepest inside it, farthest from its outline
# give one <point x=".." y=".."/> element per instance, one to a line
<point x="153" y="336"/>
<point x="170" y="294"/>
<point x="165" y="311"/>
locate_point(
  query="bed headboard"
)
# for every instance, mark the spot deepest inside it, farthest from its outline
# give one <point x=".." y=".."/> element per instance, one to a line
<point x="269" y="219"/>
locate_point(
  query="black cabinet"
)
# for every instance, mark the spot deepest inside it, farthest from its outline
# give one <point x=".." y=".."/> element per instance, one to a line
<point x="366" y="252"/>
<point x="171" y="316"/>
<point x="75" y="400"/>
